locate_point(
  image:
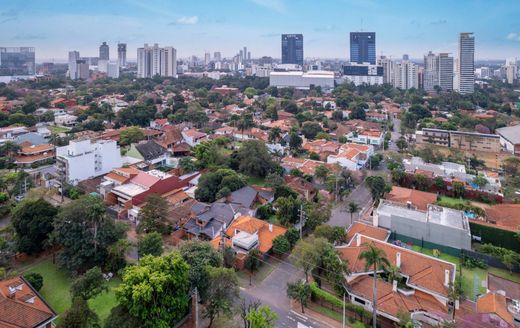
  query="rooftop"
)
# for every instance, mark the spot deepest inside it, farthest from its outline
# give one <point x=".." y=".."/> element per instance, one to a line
<point x="511" y="133"/>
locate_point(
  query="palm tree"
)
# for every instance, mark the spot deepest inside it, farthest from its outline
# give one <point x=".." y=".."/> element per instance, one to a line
<point x="352" y="208"/>
<point x="393" y="273"/>
<point x="274" y="134"/>
<point x="10" y="149"/>
<point x="375" y="258"/>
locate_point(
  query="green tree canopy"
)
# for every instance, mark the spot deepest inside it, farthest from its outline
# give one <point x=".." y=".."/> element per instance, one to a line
<point x="153" y="215"/>
<point x="150" y="244"/>
<point x="89" y="285"/>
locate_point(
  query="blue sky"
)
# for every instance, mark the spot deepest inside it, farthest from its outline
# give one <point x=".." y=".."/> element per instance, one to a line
<point x="56" y="26"/>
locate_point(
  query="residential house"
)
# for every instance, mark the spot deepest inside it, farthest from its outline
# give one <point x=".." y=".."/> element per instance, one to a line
<point x="66" y="120"/>
<point x="322" y="147"/>
<point x="419" y="199"/>
<point x="366" y="230"/>
<point x="303" y="187"/>
<point x="510" y="139"/>
<point x="377" y="117"/>
<point x="193" y="137"/>
<point x="21" y="306"/>
<point x="352" y="156"/>
<point x="373" y="137"/>
<point x="307" y="166"/>
<point x="31" y="155"/>
<point x="159" y="123"/>
<point x="438" y="225"/>
<point x="500" y="311"/>
<point x="150" y="152"/>
<point x="422" y="292"/>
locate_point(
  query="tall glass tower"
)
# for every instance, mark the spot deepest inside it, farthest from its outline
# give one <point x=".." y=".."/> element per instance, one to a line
<point x="466" y="67"/>
<point x="292" y="49"/>
<point x="363" y="47"/>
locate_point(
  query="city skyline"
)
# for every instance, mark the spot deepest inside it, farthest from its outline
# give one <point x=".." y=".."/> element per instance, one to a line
<point x="404" y="27"/>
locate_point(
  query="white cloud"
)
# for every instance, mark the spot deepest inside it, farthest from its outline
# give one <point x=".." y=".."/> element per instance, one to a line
<point x="513" y="36"/>
<point x="274" y="5"/>
<point x="187" y="20"/>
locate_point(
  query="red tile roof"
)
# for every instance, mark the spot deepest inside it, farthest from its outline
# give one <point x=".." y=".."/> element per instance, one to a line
<point x="494" y="303"/>
<point x="420" y="199"/>
<point x="367" y="230"/>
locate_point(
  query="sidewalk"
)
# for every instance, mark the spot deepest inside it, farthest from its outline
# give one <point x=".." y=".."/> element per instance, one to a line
<point x="309" y="313"/>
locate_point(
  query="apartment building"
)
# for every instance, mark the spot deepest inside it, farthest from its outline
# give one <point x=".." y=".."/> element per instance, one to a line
<point x="469" y="141"/>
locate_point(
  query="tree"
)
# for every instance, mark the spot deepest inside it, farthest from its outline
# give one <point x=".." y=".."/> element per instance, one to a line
<point x="299" y="292"/>
<point x="222" y="292"/>
<point x="352" y="208"/>
<point x="120" y="318"/>
<point x="401" y="143"/>
<point x="150" y="244"/>
<point x="32" y="220"/>
<point x="421" y="181"/>
<point x="245" y="122"/>
<point x="458" y="189"/>
<point x="295" y="141"/>
<point x="78" y="316"/>
<point x="335" y="235"/>
<point x="376" y="260"/>
<point x="89" y="285"/>
<point x="253" y="262"/>
<point x="35" y="279"/>
<point x="249" y="92"/>
<point x="187" y="165"/>
<point x="254" y="158"/>
<point x="281" y="245"/>
<point x="293" y="236"/>
<point x="287" y="210"/>
<point x="84" y="234"/>
<point x="155" y="291"/>
<point x="358" y="113"/>
<point x="480" y="180"/>
<point x="262" y="317"/>
<point x="306" y="256"/>
<point x="455" y="292"/>
<point x="311" y="129"/>
<point x="275" y="134"/>
<point x="378" y="186"/>
<point x="321" y="172"/>
<point x="274" y="180"/>
<point x="9" y="149"/>
<point x="153" y="215"/>
<point x="211" y="183"/>
<point x="200" y="255"/>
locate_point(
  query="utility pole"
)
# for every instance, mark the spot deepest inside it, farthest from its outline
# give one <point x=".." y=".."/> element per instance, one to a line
<point x="343" y="326"/>
<point x="302" y="213"/>
<point x="196" y="308"/>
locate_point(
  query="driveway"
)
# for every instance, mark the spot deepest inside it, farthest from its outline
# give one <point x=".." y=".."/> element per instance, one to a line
<point x="361" y="196"/>
<point x="272" y="291"/>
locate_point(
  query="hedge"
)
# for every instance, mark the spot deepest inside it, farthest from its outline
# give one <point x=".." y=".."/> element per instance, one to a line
<point x="497" y="237"/>
<point x="333" y="300"/>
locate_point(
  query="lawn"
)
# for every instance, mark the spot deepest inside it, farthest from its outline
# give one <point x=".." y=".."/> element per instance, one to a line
<point x="471" y="278"/>
<point x="451" y="201"/>
<point x="57" y="129"/>
<point x="56" y="285"/>
<point x="255" y="181"/>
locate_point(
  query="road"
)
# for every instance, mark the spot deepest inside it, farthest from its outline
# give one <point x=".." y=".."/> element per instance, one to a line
<point x="273" y="292"/>
<point x="396" y="134"/>
<point x="361" y="196"/>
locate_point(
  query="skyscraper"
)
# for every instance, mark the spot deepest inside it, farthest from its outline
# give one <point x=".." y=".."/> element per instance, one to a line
<point x="431" y="71"/>
<point x="445" y="72"/>
<point x="406" y="75"/>
<point x="207" y="58"/>
<point x="217" y="56"/>
<point x="104" y="52"/>
<point x="154" y="60"/>
<point x="73" y="65"/>
<point x="292" y="49"/>
<point x="363" y="47"/>
<point x="17" y="61"/>
<point x="466" y="69"/>
<point x="121" y="54"/>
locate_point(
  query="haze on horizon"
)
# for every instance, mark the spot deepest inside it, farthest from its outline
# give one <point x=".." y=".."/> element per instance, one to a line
<point x="194" y="27"/>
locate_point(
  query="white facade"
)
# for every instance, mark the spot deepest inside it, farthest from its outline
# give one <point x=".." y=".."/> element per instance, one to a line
<point x="300" y="80"/>
<point x="364" y="79"/>
<point x="113" y="70"/>
<point x="73" y="66"/>
<point x="438" y="71"/>
<point x="406" y="75"/>
<point x="82" y="160"/>
<point x="154" y="60"/>
<point x="65" y="119"/>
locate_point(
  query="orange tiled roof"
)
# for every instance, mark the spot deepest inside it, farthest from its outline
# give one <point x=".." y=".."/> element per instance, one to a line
<point x="367" y="230"/>
<point x="34" y="149"/>
<point x="420" y="199"/>
<point x="253" y="225"/>
<point x="25" y="309"/>
<point x="423" y="271"/>
<point x="496" y="304"/>
<point x="26" y="159"/>
<point x="505" y="215"/>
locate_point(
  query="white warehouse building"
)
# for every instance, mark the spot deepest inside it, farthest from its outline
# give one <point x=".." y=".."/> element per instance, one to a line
<point x="82" y="159"/>
<point x="301" y="80"/>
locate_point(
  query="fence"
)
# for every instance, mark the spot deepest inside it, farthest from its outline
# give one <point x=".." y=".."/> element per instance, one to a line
<point x="489" y="260"/>
<point x="425" y="244"/>
<point x="495" y="236"/>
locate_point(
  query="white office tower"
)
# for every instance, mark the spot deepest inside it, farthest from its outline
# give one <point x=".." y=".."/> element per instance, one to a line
<point x="431" y="71"/>
<point x="169" y="62"/>
<point x="154" y="60"/>
<point x="73" y="66"/>
<point x="388" y="69"/>
<point x="207" y="58"/>
<point x="445" y="72"/>
<point x="121" y="54"/>
<point x="406" y="75"/>
<point x="102" y="65"/>
<point x="466" y="73"/>
<point x="511" y="70"/>
<point x="113" y="70"/>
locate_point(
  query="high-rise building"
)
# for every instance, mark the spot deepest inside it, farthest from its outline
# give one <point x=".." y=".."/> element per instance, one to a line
<point x="511" y="70"/>
<point x="406" y="75"/>
<point x="445" y="72"/>
<point x="245" y="53"/>
<point x="17" y="61"/>
<point x="207" y="58"/>
<point x="388" y="69"/>
<point x="363" y="47"/>
<point x="104" y="51"/>
<point x="438" y="71"/>
<point x="73" y="65"/>
<point x="466" y="72"/>
<point x="154" y="60"/>
<point x="121" y="54"/>
<point x="217" y="56"/>
<point x="83" y="71"/>
<point x="113" y="70"/>
<point x="292" y="49"/>
<point x="249" y="55"/>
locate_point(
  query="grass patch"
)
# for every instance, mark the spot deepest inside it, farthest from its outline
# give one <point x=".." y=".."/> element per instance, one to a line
<point x="451" y="201"/>
<point x="326" y="311"/>
<point x="56" y="286"/>
<point x="259" y="276"/>
<point x="255" y="181"/>
<point x="57" y="129"/>
<point x="505" y="274"/>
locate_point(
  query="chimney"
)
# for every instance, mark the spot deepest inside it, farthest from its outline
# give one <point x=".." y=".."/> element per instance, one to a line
<point x="270" y="227"/>
<point x="446" y="278"/>
<point x="398" y="259"/>
<point x="394" y="286"/>
<point x="358" y="240"/>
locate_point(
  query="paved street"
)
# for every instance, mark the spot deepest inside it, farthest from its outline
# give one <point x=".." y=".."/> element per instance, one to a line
<point x="273" y="292"/>
<point x="396" y="134"/>
<point x="361" y="196"/>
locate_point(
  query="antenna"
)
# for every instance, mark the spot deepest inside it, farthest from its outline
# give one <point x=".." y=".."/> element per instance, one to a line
<point x="361" y="24"/>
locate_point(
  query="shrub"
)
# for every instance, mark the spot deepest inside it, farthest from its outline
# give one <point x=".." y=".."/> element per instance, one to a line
<point x="318" y="293"/>
<point x="35" y="279"/>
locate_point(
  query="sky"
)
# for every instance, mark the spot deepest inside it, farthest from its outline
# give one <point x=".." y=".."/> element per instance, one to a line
<point x="194" y="27"/>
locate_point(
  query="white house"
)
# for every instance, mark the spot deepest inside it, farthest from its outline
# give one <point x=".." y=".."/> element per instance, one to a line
<point x="193" y="137"/>
<point x="65" y="119"/>
<point x="368" y="137"/>
<point x="83" y="159"/>
<point x="352" y="156"/>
